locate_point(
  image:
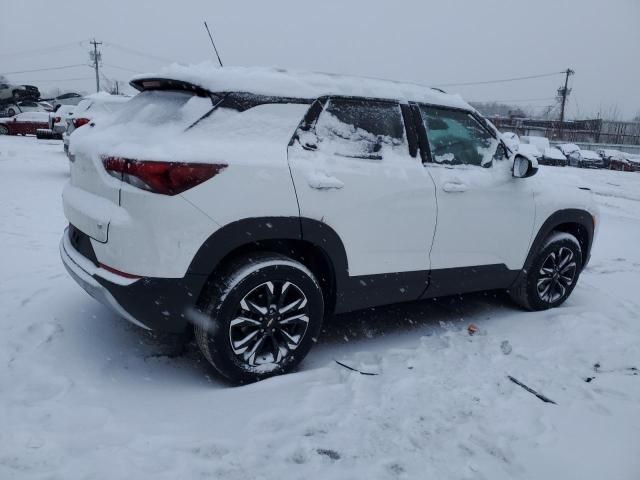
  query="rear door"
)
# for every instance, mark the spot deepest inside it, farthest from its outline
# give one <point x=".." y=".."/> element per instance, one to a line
<point x="353" y="170"/>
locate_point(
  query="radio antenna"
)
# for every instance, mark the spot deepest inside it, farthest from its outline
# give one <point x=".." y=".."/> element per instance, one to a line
<point x="213" y="43"/>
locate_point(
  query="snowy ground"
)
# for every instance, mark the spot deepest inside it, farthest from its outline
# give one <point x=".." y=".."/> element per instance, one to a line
<point x="84" y="395"/>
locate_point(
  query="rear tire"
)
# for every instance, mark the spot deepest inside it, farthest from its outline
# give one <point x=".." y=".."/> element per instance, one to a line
<point x="262" y="315"/>
<point x="4" y="130"/>
<point x="552" y="275"/>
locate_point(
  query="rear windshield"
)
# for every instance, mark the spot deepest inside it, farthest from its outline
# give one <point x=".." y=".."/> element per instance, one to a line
<point x="157" y="107"/>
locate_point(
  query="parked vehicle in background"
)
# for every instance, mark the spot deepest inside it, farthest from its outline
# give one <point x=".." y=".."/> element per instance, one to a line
<point x="24" y="123"/>
<point x="10" y="92"/>
<point x="634" y="160"/>
<point x="554" y="157"/>
<point x="615" y="160"/>
<point x="529" y="149"/>
<point x="67" y="99"/>
<point x="511" y="140"/>
<point x="568" y="148"/>
<point x="586" y="159"/>
<point x="541" y="143"/>
<point x="251" y="204"/>
<point x="91" y="108"/>
<point x="58" y="119"/>
<point x="12" y="109"/>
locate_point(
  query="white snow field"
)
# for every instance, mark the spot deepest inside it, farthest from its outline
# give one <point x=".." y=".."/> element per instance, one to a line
<point x="85" y="395"/>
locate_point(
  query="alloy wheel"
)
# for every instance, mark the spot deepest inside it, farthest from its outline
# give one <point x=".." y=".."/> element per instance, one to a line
<point x="556" y="275"/>
<point x="269" y="324"/>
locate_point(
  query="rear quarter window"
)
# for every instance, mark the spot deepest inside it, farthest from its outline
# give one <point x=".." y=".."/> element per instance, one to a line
<point x="360" y="128"/>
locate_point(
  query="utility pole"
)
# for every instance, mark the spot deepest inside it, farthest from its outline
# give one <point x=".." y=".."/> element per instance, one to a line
<point x="96" y="56"/>
<point x="564" y="93"/>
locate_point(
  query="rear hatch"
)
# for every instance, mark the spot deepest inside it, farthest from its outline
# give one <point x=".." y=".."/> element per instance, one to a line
<point x="92" y="197"/>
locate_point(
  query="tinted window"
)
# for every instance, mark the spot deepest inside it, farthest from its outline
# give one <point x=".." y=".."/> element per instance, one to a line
<point x="457" y="138"/>
<point x="360" y="129"/>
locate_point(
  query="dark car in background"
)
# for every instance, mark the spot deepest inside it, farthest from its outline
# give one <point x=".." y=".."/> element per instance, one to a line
<point x="586" y="159"/>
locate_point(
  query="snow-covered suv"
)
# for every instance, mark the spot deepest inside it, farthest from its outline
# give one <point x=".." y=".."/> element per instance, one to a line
<point x="252" y="203"/>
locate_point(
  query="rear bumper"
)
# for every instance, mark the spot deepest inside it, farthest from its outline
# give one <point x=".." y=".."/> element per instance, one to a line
<point x="151" y="303"/>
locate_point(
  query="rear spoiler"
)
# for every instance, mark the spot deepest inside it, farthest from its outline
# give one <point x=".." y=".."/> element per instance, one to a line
<point x="155" y="83"/>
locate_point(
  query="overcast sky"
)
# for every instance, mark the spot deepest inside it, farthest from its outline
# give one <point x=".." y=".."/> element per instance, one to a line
<point x="430" y="42"/>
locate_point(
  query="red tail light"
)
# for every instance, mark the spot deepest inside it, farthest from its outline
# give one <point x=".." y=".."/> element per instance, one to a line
<point x="78" y="122"/>
<point x="57" y="120"/>
<point x="167" y="178"/>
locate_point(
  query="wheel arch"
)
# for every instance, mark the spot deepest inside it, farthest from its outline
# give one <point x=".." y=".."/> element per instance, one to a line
<point x="311" y="242"/>
<point x="577" y="222"/>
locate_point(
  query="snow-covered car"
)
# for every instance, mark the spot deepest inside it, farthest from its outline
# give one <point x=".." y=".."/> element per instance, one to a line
<point x="586" y="159"/>
<point x="58" y="119"/>
<point x="24" y="123"/>
<point x="250" y="204"/>
<point x="529" y="149"/>
<point x="568" y="148"/>
<point x="553" y="156"/>
<point x="511" y="140"/>
<point x="91" y="108"/>
<point x="614" y="159"/>
<point x="541" y="143"/>
<point x="634" y="160"/>
<point x="10" y="93"/>
<point x="70" y="98"/>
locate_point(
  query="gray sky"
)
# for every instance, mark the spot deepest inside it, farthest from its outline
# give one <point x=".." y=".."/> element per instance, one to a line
<point x="425" y="41"/>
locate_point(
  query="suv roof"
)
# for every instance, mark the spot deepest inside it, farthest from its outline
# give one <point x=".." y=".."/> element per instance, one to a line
<point x="296" y="84"/>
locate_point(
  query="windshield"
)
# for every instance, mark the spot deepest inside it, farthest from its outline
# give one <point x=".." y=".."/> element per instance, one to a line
<point x="156" y="107"/>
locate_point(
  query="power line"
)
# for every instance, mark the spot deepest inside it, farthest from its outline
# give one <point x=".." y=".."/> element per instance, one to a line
<point x="138" y="53"/>
<point x="122" y="68"/>
<point x="42" y="51"/>
<point x="504" y="80"/>
<point x="60" y="79"/>
<point x="522" y="100"/>
<point x="47" y="69"/>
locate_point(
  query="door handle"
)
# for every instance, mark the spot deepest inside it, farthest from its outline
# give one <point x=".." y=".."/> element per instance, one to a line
<point x="322" y="181"/>
<point x="454" y="186"/>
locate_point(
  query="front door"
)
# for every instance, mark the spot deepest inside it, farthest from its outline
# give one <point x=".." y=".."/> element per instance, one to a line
<point x="485" y="215"/>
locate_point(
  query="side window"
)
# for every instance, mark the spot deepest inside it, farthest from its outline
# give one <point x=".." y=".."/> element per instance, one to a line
<point x="361" y="129"/>
<point x="457" y="138"/>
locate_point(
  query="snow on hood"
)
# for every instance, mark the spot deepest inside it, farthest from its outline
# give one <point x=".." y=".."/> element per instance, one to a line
<point x="298" y="84"/>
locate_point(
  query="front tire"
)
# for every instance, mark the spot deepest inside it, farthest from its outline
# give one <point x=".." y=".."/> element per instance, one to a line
<point x="263" y="314"/>
<point x="552" y="275"/>
<point x="4" y="130"/>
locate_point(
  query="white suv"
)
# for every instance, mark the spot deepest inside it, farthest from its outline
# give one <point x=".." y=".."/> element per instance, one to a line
<point x="250" y="204"/>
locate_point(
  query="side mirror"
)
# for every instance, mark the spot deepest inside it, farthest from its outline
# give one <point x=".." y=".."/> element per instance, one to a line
<point x="308" y="140"/>
<point x="524" y="166"/>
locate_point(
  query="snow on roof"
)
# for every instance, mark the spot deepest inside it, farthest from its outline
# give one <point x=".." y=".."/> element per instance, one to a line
<point x="529" y="149"/>
<point x="590" y="155"/>
<point x="568" y="148"/>
<point x="107" y="97"/>
<point x="297" y="84"/>
<point x="553" y="153"/>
